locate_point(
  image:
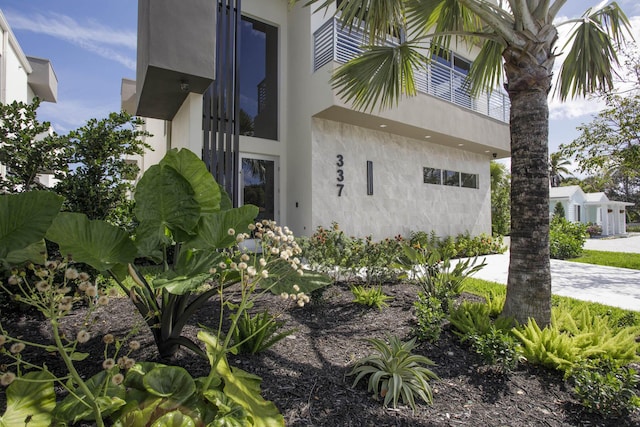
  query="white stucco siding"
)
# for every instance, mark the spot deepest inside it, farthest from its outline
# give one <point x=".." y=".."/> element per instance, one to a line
<point x="16" y="78"/>
<point x="401" y="201"/>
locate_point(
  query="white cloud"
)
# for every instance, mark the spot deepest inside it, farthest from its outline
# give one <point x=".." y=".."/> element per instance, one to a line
<point x="67" y="115"/>
<point x="115" y="44"/>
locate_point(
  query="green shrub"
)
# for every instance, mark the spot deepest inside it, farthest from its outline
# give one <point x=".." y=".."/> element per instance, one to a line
<point x="576" y="336"/>
<point x="566" y="238"/>
<point x="558" y="211"/>
<point x="370" y="296"/>
<point x="429" y="317"/>
<point x="497" y="348"/>
<point x="254" y="334"/>
<point x="473" y="318"/>
<point x="606" y="389"/>
<point x="395" y="373"/>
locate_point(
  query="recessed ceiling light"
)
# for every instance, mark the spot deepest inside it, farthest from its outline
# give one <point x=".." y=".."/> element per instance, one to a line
<point x="427" y="136"/>
<point x="460" y="145"/>
<point x="383" y="126"/>
<point x="487" y="151"/>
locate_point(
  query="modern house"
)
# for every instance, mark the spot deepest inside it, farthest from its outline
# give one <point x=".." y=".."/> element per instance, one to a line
<point x="23" y="78"/>
<point x="590" y="208"/>
<point x="248" y="88"/>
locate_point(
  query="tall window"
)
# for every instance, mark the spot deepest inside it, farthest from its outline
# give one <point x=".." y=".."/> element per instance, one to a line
<point x="258" y="79"/>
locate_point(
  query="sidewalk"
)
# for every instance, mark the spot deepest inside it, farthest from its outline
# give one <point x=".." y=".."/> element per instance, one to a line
<point x="619" y="287"/>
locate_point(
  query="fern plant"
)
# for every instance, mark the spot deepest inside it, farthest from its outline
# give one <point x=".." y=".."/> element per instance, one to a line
<point x="395" y="373"/>
<point x="257" y="333"/>
<point x="370" y="296"/>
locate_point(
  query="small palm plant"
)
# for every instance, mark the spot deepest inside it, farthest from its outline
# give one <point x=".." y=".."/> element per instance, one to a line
<point x="396" y="372"/>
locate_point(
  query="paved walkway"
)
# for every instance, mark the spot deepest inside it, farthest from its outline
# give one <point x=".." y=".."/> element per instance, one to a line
<point x="618" y="287"/>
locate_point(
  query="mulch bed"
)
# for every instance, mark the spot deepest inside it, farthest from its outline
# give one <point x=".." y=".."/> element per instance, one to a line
<point x="306" y="374"/>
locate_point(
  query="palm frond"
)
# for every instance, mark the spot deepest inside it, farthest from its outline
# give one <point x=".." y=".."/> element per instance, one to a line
<point x="379" y="76"/>
<point x="486" y="70"/>
<point x="588" y="65"/>
<point x="443" y="17"/>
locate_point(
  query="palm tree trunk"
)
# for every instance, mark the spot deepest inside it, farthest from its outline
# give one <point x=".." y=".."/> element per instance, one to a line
<point x="529" y="281"/>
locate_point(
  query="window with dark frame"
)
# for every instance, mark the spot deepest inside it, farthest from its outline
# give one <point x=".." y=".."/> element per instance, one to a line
<point x="469" y="180"/>
<point x="432" y="175"/>
<point x="451" y="178"/>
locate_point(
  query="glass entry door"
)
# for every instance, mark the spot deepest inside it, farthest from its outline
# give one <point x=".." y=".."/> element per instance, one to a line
<point x="258" y="184"/>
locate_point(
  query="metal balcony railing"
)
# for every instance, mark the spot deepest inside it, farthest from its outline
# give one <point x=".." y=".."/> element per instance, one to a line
<point x="332" y="42"/>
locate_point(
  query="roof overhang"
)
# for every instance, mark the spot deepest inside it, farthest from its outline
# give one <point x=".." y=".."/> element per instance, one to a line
<point x="42" y="79"/>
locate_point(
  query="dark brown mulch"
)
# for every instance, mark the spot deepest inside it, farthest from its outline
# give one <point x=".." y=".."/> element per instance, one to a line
<point x="306" y="374"/>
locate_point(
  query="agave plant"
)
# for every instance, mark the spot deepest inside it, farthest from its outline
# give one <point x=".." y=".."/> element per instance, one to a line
<point x="395" y="372"/>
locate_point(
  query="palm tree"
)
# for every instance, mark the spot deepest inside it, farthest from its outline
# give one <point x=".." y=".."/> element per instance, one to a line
<point x="557" y="167"/>
<point x="518" y="42"/>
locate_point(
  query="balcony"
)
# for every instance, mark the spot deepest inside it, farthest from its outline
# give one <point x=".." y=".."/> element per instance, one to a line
<point x="331" y="42"/>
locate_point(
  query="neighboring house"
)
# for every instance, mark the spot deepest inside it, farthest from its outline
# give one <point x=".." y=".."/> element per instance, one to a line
<point x="251" y="94"/>
<point x="590" y="208"/>
<point x="23" y="78"/>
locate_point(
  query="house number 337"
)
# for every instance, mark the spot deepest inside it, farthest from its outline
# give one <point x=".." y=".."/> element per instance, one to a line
<point x="340" y="174"/>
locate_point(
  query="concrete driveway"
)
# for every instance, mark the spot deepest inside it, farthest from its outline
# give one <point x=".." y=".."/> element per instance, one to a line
<point x="619" y="287"/>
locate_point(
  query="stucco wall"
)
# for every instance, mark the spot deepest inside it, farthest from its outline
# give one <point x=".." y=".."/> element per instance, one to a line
<point x="401" y="202"/>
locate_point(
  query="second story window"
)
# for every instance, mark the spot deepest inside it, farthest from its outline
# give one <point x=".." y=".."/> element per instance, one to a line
<point x="258" y="79"/>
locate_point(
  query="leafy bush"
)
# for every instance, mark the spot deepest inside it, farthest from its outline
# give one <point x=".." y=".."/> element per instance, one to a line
<point x="429" y="317"/>
<point x="497" y="347"/>
<point x="463" y="245"/>
<point x="566" y="238"/>
<point x="575" y="336"/>
<point x="254" y="334"/>
<point x="473" y="318"/>
<point x="605" y="388"/>
<point x="558" y="210"/>
<point x="370" y="296"/>
<point x="395" y="373"/>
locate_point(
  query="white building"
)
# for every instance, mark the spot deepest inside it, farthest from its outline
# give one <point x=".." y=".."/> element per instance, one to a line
<point x="590" y="208"/>
<point x="273" y="131"/>
<point x="23" y="78"/>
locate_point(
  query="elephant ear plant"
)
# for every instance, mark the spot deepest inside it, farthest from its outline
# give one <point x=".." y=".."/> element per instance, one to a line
<point x="178" y="206"/>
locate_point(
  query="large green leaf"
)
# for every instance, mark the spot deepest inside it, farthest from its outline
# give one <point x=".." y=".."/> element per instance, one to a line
<point x="192" y="261"/>
<point x="24" y="220"/>
<point x="164" y="200"/>
<point x="205" y="188"/>
<point x="213" y="228"/>
<point x="174" y="419"/>
<point x="97" y="243"/>
<point x="30" y="397"/>
<point x="241" y="386"/>
<point x="170" y="382"/>
<point x="180" y="285"/>
<point x="73" y="409"/>
<point x="35" y="253"/>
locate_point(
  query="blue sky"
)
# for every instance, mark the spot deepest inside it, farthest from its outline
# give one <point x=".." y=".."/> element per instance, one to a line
<point x="92" y="46"/>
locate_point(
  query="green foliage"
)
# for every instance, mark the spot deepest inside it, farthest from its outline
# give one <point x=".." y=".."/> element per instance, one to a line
<point x="97" y="180"/>
<point x="429" y="317"/>
<point x="24" y="150"/>
<point x="395" y="373"/>
<point x="575" y="336"/>
<point x="500" y="200"/>
<point x="255" y="334"/>
<point x="566" y="238"/>
<point x="24" y="220"/>
<point x="331" y="251"/>
<point x="558" y="210"/>
<point x="497" y="348"/>
<point x="32" y="397"/>
<point x="433" y="271"/>
<point x="473" y="318"/>
<point x="462" y="245"/>
<point x="370" y="296"/>
<point x="605" y="388"/>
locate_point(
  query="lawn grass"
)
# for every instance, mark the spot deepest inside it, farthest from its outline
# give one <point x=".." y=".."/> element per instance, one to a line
<point x="619" y="316"/>
<point x="611" y="259"/>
